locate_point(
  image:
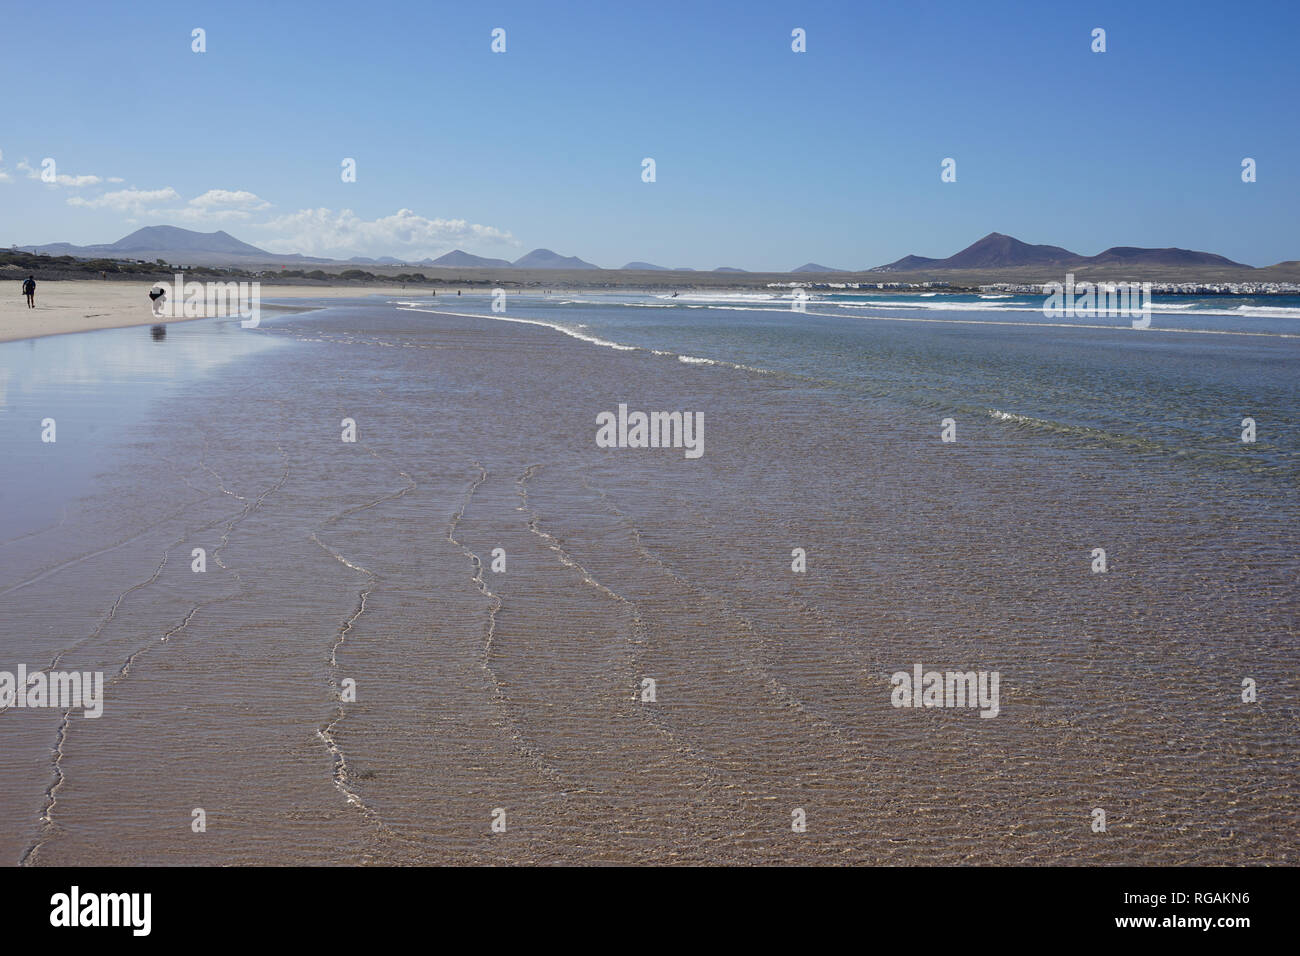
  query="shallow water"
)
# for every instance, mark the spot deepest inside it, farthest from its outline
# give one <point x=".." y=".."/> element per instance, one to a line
<point x="330" y="561"/>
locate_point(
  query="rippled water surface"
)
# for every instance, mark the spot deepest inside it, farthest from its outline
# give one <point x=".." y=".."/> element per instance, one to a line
<point x="331" y="562"/>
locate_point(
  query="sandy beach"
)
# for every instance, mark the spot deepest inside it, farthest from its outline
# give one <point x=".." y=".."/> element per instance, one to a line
<point x="86" y="305"/>
<point x="370" y="650"/>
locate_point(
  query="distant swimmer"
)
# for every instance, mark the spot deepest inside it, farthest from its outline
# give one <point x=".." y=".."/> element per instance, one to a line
<point x="29" y="290"/>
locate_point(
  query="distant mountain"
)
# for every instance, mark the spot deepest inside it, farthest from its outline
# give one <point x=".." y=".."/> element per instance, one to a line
<point x="183" y="240"/>
<point x="466" y="260"/>
<point x="1161" y="257"/>
<point x="906" y="263"/>
<point x="152" y="239"/>
<point x="546" y="259"/>
<point x="994" y="251"/>
<point x="997" y="251"/>
<point x="814" y="267"/>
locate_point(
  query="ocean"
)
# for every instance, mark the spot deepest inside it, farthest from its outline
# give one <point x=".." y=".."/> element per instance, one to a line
<point x="475" y="634"/>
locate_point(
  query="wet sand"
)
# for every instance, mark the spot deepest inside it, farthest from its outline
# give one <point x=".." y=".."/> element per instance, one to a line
<point x="86" y="305"/>
<point x="521" y="690"/>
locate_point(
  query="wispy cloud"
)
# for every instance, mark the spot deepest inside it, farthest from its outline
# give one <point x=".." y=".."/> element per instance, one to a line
<point x="219" y="205"/>
<point x="319" y="231"/>
<point x="127" y="200"/>
<point x="229" y="198"/>
<point x="60" y="179"/>
<point x="324" y="232"/>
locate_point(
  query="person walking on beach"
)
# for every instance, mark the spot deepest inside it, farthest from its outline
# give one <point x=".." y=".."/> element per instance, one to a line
<point x="29" y="290"/>
<point x="155" y="295"/>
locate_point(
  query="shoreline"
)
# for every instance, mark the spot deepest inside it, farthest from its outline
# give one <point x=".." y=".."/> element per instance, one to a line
<point x="328" y="559"/>
<point x="70" y="306"/>
<point x="88" y="305"/>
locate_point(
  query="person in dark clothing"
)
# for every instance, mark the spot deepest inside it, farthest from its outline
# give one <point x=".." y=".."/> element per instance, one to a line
<point x="29" y="290"/>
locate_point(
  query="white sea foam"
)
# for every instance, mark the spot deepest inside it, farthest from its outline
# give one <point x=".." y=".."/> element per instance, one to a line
<point x="1269" y="311"/>
<point x="940" y="306"/>
<point x="1012" y="417"/>
<point x="606" y="303"/>
<point x="724" y="297"/>
<point x="574" y="333"/>
<point x="1067" y="325"/>
<point x="1157" y="308"/>
<point x="594" y="340"/>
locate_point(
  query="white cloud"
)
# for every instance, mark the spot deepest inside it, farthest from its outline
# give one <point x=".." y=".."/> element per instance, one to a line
<point x="60" y="179"/>
<point x="323" y="232"/>
<point x="229" y="198"/>
<point x="219" y="205"/>
<point x="126" y="200"/>
<point x="213" y="205"/>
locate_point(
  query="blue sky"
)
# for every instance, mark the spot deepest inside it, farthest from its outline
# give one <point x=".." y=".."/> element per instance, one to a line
<point x="765" y="158"/>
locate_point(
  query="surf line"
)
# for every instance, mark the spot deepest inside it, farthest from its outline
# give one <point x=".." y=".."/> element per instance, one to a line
<point x="593" y="340"/>
<point x="1038" y="325"/>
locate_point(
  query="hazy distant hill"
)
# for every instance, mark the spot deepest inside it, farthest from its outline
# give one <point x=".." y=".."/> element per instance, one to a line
<point x="907" y="263"/>
<point x="814" y="267"/>
<point x="156" y="238"/>
<point x="546" y="259"/>
<point x="176" y="245"/>
<point x="994" y="254"/>
<point x="183" y="240"/>
<point x="993" y="251"/>
<point x="1162" y="257"/>
<point x="466" y="260"/>
<point x="997" y="251"/>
